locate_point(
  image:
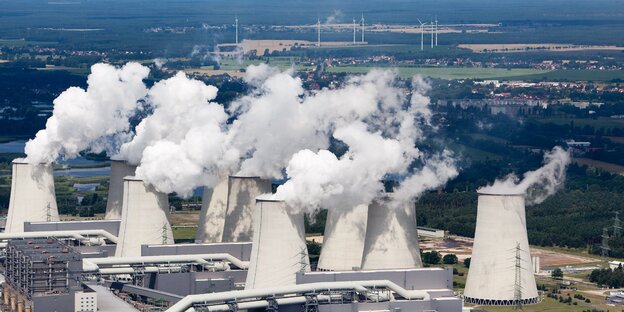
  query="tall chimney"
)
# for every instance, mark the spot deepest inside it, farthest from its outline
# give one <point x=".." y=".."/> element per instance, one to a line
<point x="391" y="237"/>
<point x="279" y="250"/>
<point x="343" y="243"/>
<point x="32" y="195"/>
<point x="118" y="170"/>
<point x="212" y="215"/>
<point x="500" y="269"/>
<point x="242" y="193"/>
<point x="143" y="218"/>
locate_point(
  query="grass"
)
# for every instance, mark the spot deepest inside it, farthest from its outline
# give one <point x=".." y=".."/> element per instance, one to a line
<point x="472" y="153"/>
<point x="447" y="72"/>
<point x="23" y="42"/>
<point x="185" y="233"/>
<point x="576" y="75"/>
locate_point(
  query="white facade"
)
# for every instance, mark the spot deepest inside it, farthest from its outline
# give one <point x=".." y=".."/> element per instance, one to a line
<point x="343" y="243"/>
<point x="242" y="193"/>
<point x="279" y="250"/>
<point x="500" y="236"/>
<point x="391" y="237"/>
<point x="212" y="215"/>
<point x="85" y="301"/>
<point x="144" y="218"/>
<point x="119" y="169"/>
<point x="32" y="195"/>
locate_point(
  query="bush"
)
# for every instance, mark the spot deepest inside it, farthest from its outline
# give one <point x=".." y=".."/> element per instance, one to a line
<point x="467" y="262"/>
<point x="432" y="257"/>
<point x="449" y="259"/>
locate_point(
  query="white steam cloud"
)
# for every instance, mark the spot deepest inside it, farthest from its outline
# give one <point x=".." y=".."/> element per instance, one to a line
<point x="95" y="119"/>
<point x="334" y="18"/>
<point x="539" y="184"/>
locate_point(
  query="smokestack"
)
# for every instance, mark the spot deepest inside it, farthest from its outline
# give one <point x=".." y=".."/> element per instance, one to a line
<point x="212" y="215"/>
<point x="391" y="237"/>
<point x="32" y="195"/>
<point x="119" y="169"/>
<point x="343" y="244"/>
<point x="143" y="218"/>
<point x="279" y="250"/>
<point x="242" y="193"/>
<point x="500" y="269"/>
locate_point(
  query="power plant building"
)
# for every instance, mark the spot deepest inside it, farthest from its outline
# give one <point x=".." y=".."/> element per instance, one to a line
<point x="501" y="272"/>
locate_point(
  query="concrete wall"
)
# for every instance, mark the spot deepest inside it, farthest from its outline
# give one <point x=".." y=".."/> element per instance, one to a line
<point x="189" y="283"/>
<point x="241" y="251"/>
<point x="55" y="303"/>
<point x="110" y="226"/>
<point x="414" y="279"/>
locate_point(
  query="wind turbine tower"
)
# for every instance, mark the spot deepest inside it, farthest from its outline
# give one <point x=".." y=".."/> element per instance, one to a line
<point x="353" y="30"/>
<point x="422" y="35"/>
<point x="436" y="31"/>
<point x="362" y="23"/>
<point x="318" y="32"/>
<point x="431" y="29"/>
<point x="236" y="27"/>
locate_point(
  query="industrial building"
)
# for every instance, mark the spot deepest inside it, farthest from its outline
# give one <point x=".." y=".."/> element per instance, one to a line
<point x="250" y="254"/>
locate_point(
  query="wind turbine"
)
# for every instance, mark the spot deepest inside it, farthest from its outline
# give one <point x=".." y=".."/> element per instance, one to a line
<point x="422" y="35"/>
<point x="431" y="23"/>
<point x="354" y="30"/>
<point x="436" y="31"/>
<point x="362" y="22"/>
<point x="318" y="29"/>
<point x="236" y="26"/>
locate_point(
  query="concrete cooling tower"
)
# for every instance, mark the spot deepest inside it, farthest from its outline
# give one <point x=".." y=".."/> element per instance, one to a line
<point x="242" y="193"/>
<point x="279" y="250"/>
<point x="143" y="219"/>
<point x="119" y="169"/>
<point x="32" y="196"/>
<point x="391" y="237"/>
<point x="212" y="215"/>
<point x="343" y="244"/>
<point x="500" y="269"/>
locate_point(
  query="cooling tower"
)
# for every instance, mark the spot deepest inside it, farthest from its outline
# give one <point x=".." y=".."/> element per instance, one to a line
<point x="118" y="170"/>
<point x="279" y="250"/>
<point x="32" y="195"/>
<point x="391" y="237"/>
<point x="143" y="218"/>
<point x="212" y="215"/>
<point x="242" y="193"/>
<point x="500" y="267"/>
<point x="343" y="244"/>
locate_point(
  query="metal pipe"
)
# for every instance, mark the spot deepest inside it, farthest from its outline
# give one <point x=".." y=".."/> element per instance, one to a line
<point x="77" y="234"/>
<point x="93" y="264"/>
<point x="358" y="286"/>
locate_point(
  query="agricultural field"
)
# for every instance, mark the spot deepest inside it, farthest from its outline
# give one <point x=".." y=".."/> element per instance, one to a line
<point x="598" y="123"/>
<point x="529" y="47"/>
<point x="575" y="75"/>
<point x="448" y="72"/>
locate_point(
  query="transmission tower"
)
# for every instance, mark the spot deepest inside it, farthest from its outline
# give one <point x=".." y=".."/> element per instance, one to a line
<point x="617" y="226"/>
<point x="303" y="254"/>
<point x="164" y="234"/>
<point x="604" y="248"/>
<point x="518" y="280"/>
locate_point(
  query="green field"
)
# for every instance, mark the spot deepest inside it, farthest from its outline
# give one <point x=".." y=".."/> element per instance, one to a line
<point x="283" y="63"/>
<point x="447" y="72"/>
<point x="23" y="42"/>
<point x="576" y="75"/>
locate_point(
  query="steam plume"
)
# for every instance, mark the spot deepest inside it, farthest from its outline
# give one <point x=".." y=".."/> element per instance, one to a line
<point x="95" y="119"/>
<point x="539" y="184"/>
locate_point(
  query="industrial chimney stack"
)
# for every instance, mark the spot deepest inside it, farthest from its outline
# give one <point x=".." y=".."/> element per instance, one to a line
<point x="32" y="195"/>
<point x="391" y="237"/>
<point x="144" y="218"/>
<point x="119" y="169"/>
<point x="500" y="269"/>
<point x="343" y="243"/>
<point x="279" y="250"/>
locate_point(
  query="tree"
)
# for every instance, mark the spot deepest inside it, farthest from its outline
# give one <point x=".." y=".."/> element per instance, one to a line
<point x="467" y="262"/>
<point x="557" y="273"/>
<point x="432" y="257"/>
<point x="449" y="259"/>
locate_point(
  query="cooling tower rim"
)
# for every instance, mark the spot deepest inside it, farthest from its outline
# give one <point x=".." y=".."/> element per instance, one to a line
<point x="132" y="178"/>
<point x="119" y="160"/>
<point x="500" y="194"/>
<point x="244" y="177"/>
<point x="269" y="200"/>
<point x="22" y="161"/>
